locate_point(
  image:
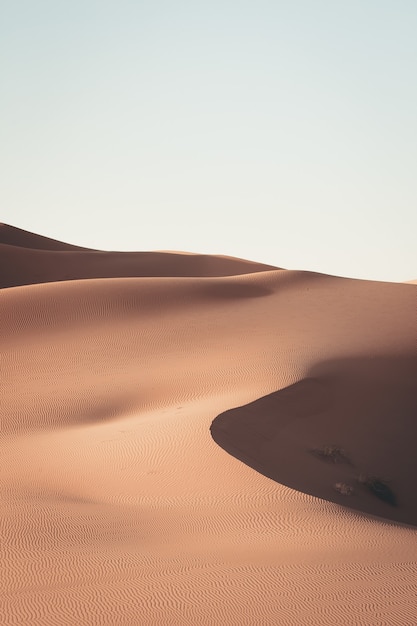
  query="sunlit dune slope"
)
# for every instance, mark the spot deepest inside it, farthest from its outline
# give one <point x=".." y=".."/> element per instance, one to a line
<point x="162" y="434"/>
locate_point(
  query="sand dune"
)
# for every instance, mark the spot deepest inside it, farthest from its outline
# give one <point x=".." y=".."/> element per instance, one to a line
<point x="13" y="236"/>
<point x="173" y="428"/>
<point x="29" y="259"/>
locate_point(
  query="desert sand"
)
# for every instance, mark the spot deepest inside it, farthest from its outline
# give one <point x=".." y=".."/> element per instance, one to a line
<point x="195" y="439"/>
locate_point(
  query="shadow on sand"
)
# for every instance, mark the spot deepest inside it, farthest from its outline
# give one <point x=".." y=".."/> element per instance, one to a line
<point x="346" y="433"/>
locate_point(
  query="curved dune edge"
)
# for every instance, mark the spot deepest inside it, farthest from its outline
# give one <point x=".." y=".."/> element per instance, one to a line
<point x="117" y="505"/>
<point x="328" y="434"/>
<point x="28" y="259"/>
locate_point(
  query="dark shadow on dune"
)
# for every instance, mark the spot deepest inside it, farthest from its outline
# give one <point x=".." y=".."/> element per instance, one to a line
<point x="346" y="433"/>
<point x="13" y="236"/>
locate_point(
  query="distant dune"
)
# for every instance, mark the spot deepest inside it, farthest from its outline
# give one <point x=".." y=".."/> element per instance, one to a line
<point x="28" y="259"/>
<point x="195" y="439"/>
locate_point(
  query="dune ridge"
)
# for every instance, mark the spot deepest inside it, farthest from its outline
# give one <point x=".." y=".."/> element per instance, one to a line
<point x="29" y="259"/>
<point x="157" y="420"/>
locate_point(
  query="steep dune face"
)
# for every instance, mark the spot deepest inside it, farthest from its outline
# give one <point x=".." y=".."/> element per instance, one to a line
<point x="12" y="236"/>
<point x="347" y="433"/>
<point x="117" y="504"/>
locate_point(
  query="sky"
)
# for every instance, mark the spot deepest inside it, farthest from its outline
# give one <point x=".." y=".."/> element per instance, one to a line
<point x="280" y="131"/>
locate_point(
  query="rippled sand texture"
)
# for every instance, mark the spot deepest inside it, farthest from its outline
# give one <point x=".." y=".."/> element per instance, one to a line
<point x="132" y="493"/>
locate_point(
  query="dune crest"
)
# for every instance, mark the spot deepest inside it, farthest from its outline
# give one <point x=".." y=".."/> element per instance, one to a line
<point x="29" y="259"/>
<point x="141" y="391"/>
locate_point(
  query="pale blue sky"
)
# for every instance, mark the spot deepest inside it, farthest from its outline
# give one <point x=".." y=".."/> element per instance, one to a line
<point x="279" y="131"/>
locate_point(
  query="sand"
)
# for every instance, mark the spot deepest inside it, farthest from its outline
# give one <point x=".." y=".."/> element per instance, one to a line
<point x="175" y="432"/>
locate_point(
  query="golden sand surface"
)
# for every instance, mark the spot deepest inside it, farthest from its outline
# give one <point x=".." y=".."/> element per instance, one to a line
<point x="200" y="440"/>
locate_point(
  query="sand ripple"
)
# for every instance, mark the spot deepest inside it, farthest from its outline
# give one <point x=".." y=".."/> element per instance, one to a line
<point x="117" y="505"/>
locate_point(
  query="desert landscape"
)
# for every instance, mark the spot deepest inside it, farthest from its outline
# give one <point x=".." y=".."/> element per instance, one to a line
<point x="202" y="440"/>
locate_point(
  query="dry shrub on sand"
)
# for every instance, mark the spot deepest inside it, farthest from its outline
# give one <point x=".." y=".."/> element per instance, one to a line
<point x="378" y="487"/>
<point x="331" y="453"/>
<point x="344" y="489"/>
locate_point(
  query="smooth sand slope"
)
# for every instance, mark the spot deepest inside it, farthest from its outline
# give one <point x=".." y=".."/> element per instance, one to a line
<point x="27" y="259"/>
<point x="162" y="434"/>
